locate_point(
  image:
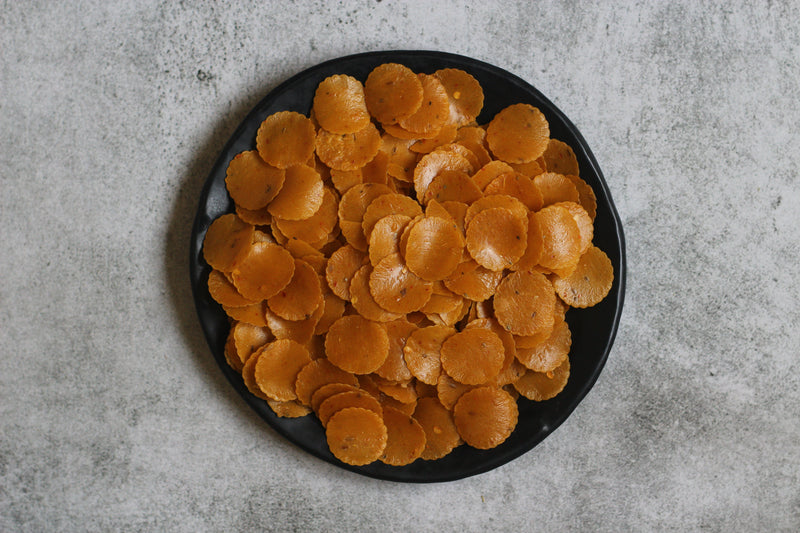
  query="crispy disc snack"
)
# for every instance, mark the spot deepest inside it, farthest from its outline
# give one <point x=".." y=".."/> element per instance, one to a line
<point x="485" y="417"/>
<point x="340" y="106"/>
<point x="356" y="436"/>
<point x="518" y="134"/>
<point x="277" y="367"/>
<point x="464" y="92"/>
<point x="357" y="345"/>
<point x="589" y="283"/>
<point x="263" y="271"/>
<point x="473" y="356"/>
<point x="348" y="151"/>
<point x="226" y="241"/>
<point x="422" y="352"/>
<point x="434" y="248"/>
<point x="353" y="398"/>
<point x="301" y="194"/>
<point x="441" y="434"/>
<point x="434" y="110"/>
<point x="395" y="288"/>
<point x="286" y="138"/>
<point x="301" y="297"/>
<point x="538" y="386"/>
<point x="406" y="438"/>
<point x="401" y="271"/>
<point x="393" y="92"/>
<point x="524" y="303"/>
<point x="317" y="373"/>
<point x="497" y="237"/>
<point x="251" y="182"/>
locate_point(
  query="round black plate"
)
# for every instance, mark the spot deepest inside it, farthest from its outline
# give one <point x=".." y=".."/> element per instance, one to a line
<point x="593" y="329"/>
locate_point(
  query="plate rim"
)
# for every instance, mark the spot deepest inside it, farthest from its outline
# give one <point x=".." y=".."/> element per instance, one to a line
<point x="199" y="227"/>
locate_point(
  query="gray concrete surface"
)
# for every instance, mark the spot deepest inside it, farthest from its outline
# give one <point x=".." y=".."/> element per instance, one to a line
<point x="113" y="415"/>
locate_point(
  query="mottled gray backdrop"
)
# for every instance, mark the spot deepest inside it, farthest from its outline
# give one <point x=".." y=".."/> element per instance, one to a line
<point x="113" y="415"/>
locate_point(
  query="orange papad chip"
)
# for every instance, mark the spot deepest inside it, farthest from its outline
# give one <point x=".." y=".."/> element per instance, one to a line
<point x="297" y="330"/>
<point x="301" y="297"/>
<point x="333" y="309"/>
<point x="278" y="364"/>
<point x="495" y="200"/>
<point x="405" y="438"/>
<point x="541" y="386"/>
<point x="561" y="238"/>
<point x="485" y="417"/>
<point x="524" y="302"/>
<point x="353" y="398"/>
<point x="301" y="194"/>
<point x="452" y="185"/>
<point x="316" y="227"/>
<point x="518" y="134"/>
<point x="488" y="172"/>
<point x="400" y="270"/>
<point x="422" y="352"/>
<point x="224" y="292"/>
<point x="586" y="196"/>
<point x="249" y="376"/>
<point x="550" y="353"/>
<point x="356" y="436"/>
<point x="362" y="300"/>
<point x="317" y="373"/>
<point x="517" y="185"/>
<point x="247" y="339"/>
<point x="326" y="391"/>
<point x="441" y="435"/>
<point x="348" y="151"/>
<point x="395" y="288"/>
<point x="434" y="248"/>
<point x="384" y="239"/>
<point x="555" y="188"/>
<point x="250" y="314"/>
<point x="559" y="157"/>
<point x="434" y="110"/>
<point x="394" y="367"/>
<point x="435" y="162"/>
<point x="385" y="205"/>
<point x="228" y="239"/>
<point x="339" y="104"/>
<point x="473" y="281"/>
<point x="464" y="92"/>
<point x="251" y="182"/>
<point x="584" y="222"/>
<point x="357" y="345"/>
<point x="449" y="390"/>
<point x="533" y="250"/>
<point x="392" y="92"/>
<point x="497" y="237"/>
<point x="285" y="139"/>
<point x="591" y="281"/>
<point x="263" y="271"/>
<point x="511" y="369"/>
<point x="402" y="160"/>
<point x="290" y="409"/>
<point x="341" y="267"/>
<point x="530" y="169"/>
<point x="255" y="217"/>
<point x="425" y="146"/>
<point x="473" y="356"/>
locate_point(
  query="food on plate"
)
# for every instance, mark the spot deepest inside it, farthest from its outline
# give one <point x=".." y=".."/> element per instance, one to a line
<point x="401" y="271"/>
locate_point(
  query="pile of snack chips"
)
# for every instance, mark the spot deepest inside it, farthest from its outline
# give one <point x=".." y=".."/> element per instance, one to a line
<point x="401" y="271"/>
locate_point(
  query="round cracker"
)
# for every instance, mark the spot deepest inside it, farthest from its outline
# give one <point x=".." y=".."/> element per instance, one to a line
<point x="357" y="345"/>
<point x="340" y="105"/>
<point x="518" y="134"/>
<point x="485" y="417"/>
<point x="473" y="356"/>
<point x="524" y="303"/>
<point x="356" y="436"/>
<point x="286" y="138"/>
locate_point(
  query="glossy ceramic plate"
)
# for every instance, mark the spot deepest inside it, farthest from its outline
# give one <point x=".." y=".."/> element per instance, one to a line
<point x="593" y="329"/>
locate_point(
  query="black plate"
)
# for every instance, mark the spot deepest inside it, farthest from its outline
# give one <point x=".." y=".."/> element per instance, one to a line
<point x="593" y="329"/>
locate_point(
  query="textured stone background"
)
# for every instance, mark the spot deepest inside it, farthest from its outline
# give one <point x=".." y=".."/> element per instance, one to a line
<point x="113" y="413"/>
